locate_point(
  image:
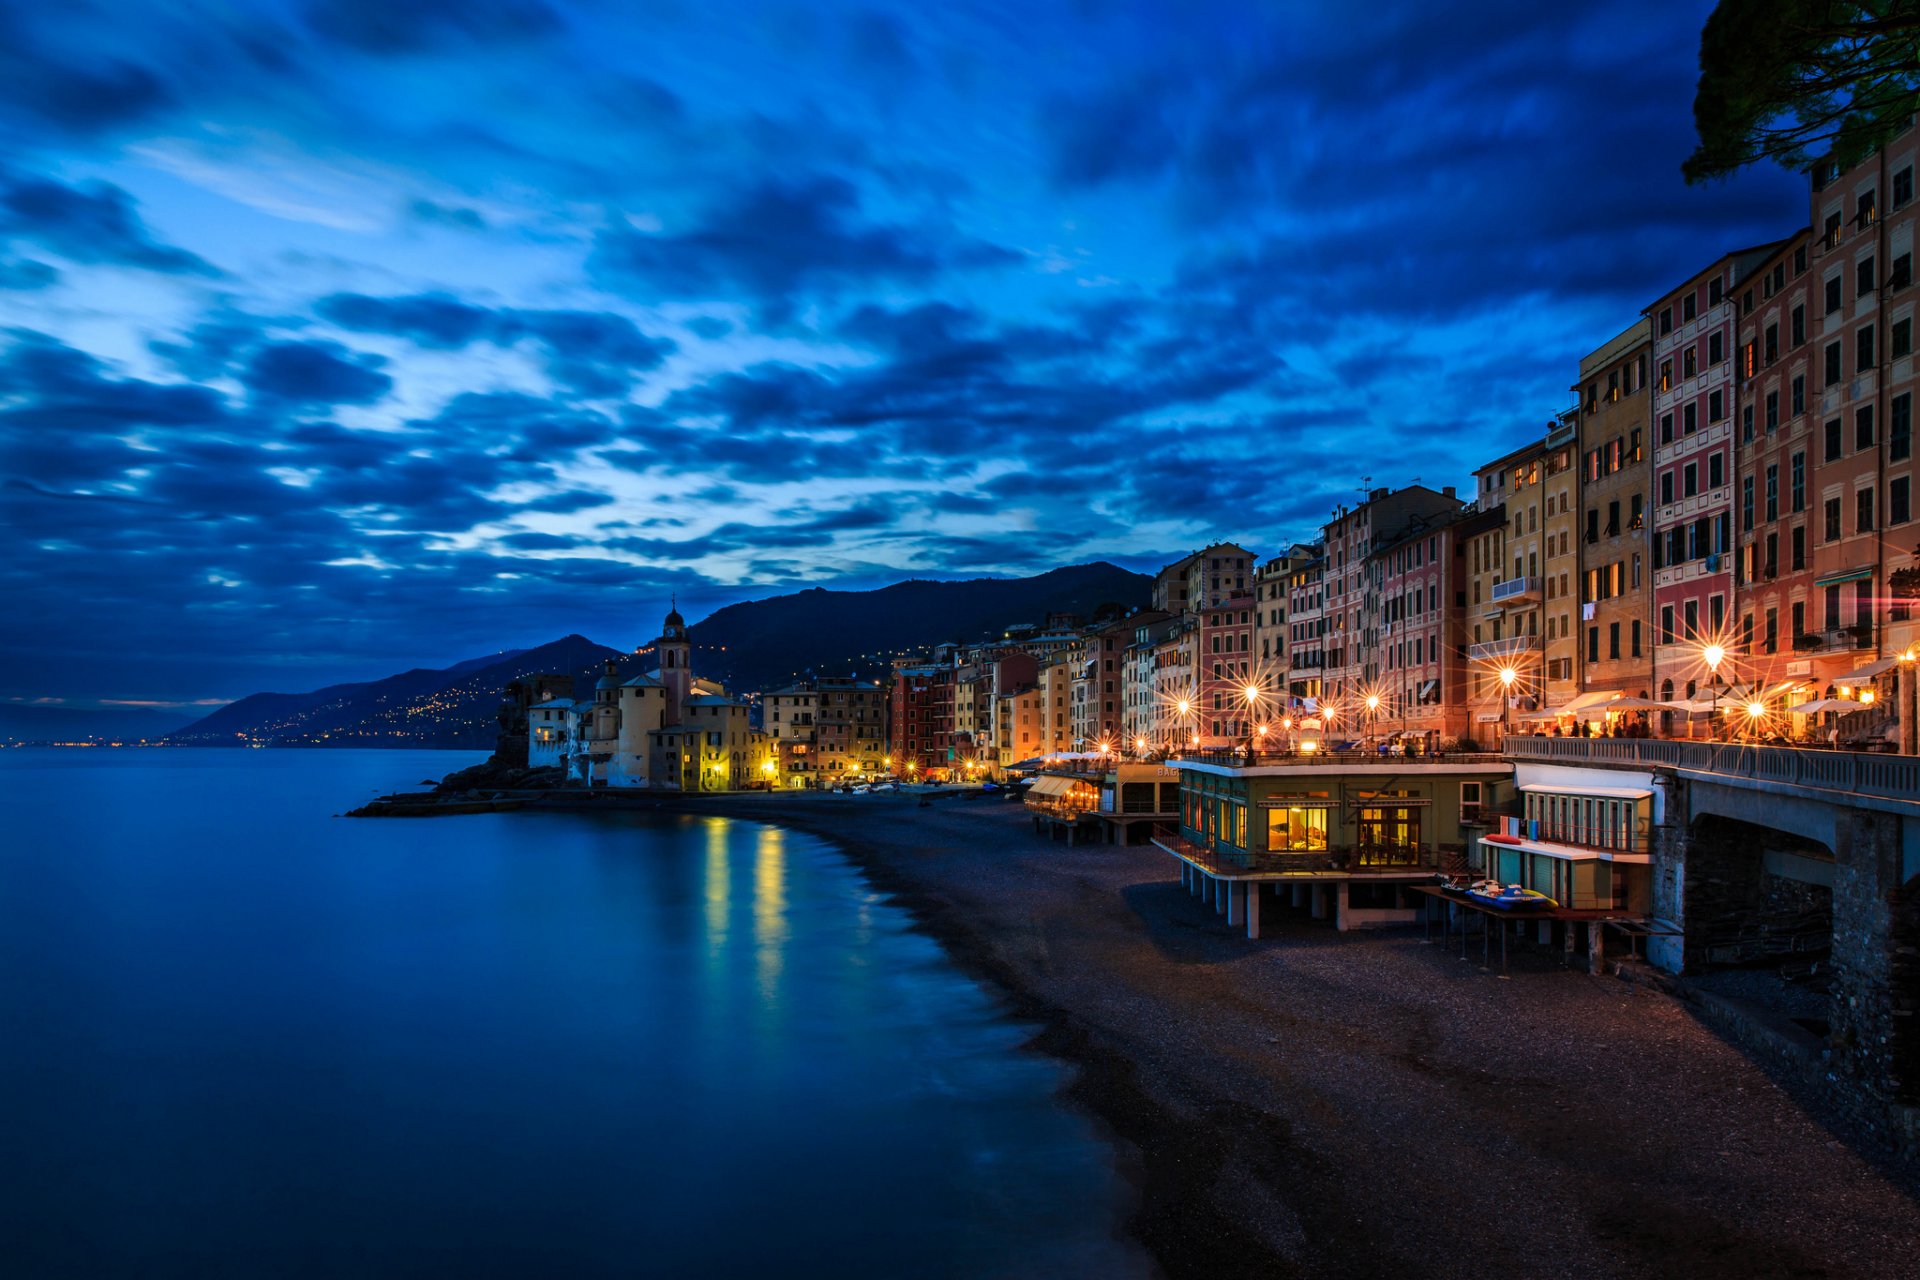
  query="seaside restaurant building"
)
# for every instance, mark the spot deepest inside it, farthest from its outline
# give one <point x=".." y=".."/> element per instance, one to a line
<point x="1345" y="834"/>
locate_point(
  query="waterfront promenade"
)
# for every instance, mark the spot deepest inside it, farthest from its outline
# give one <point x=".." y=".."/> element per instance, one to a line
<point x="1324" y="1104"/>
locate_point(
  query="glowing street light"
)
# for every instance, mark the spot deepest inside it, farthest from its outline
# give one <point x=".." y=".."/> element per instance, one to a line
<point x="1508" y="675"/>
<point x="1713" y="655"/>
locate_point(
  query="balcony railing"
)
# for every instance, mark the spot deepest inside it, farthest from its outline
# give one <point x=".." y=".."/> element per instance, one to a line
<point x="1227" y="860"/>
<point x="1496" y="650"/>
<point x="1862" y="774"/>
<point x="1236" y="758"/>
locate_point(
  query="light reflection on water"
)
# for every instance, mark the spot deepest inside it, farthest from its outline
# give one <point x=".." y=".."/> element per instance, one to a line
<point x="238" y="1035"/>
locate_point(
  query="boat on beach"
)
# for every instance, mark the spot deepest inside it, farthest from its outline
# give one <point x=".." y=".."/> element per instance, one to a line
<point x="1510" y="897"/>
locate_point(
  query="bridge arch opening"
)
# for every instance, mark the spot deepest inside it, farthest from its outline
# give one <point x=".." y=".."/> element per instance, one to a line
<point x="1759" y="912"/>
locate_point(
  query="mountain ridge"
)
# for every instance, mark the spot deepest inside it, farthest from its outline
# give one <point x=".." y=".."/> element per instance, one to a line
<point x="750" y="646"/>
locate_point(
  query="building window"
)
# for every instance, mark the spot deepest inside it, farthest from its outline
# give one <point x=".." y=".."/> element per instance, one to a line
<point x="1832" y="364"/>
<point x="1900" y="427"/>
<point x="1898" y="501"/>
<point x="1716" y="406"/>
<point x="1863" y="349"/>
<point x="1863" y="511"/>
<point x="1799" y="395"/>
<point x="1832" y="512"/>
<point x="1863" y="427"/>
<point x="1799" y="492"/>
<point x="1833" y="289"/>
<point x="1863" y="280"/>
<point x="1799" y="325"/>
<point x="1833" y="440"/>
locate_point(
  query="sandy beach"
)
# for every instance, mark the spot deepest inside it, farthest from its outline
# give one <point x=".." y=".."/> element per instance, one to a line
<point x="1325" y="1104"/>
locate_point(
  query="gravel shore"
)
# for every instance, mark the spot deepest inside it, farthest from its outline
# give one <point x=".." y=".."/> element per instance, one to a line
<point x="1325" y="1104"/>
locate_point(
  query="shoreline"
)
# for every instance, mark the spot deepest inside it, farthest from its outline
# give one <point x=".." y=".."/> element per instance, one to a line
<point x="1188" y="1051"/>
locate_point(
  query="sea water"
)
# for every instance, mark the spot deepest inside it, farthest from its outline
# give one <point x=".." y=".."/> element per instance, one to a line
<point x="240" y="1035"/>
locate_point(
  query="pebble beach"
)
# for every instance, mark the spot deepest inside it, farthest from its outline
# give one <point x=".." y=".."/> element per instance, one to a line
<point x="1369" y="1104"/>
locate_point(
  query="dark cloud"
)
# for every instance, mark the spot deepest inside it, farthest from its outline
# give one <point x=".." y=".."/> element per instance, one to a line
<point x="71" y="94"/>
<point x="373" y="26"/>
<point x="94" y="223"/>
<point x="596" y="353"/>
<point x="25" y="273"/>
<point x="447" y="215"/>
<point x="45" y="384"/>
<point x="319" y="373"/>
<point x="778" y="240"/>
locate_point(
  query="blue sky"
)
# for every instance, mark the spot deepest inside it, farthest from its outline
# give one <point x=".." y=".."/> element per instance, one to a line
<point x="346" y="336"/>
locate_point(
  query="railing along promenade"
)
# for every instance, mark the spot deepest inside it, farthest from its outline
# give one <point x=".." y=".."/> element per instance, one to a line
<point x="1239" y="758"/>
<point x="1229" y="861"/>
<point x="1864" y="774"/>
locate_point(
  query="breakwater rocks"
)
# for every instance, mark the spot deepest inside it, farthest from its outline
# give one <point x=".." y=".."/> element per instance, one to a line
<point x="426" y="804"/>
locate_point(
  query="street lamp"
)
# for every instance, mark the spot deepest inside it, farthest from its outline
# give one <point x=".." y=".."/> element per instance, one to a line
<point x="1714" y="655"/>
<point x="1251" y="692"/>
<point x="1507" y="676"/>
<point x="1373" y="706"/>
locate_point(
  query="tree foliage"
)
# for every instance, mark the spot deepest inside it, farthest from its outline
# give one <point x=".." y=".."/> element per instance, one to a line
<point x="1795" y="80"/>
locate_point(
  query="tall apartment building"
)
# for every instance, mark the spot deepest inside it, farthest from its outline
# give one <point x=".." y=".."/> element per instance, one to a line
<point x="1615" y="534"/>
<point x="1056" y="702"/>
<point x="1203" y="578"/>
<point x="1223" y="660"/>
<point x="1176" y="698"/>
<point x="850" y="728"/>
<point x="1139" y="723"/>
<point x="1422" y="656"/>
<point x="1351" y="593"/>
<point x="787" y="716"/>
<point x="1694" y="330"/>
<point x="1777" y="453"/>
<point x="1862" y="265"/>
<point x="1482" y="538"/>
<point x="920" y="720"/>
<point x="1307" y="628"/>
<point x="1272" y="594"/>
<point x="1560" y="563"/>
<point x="1100" y="685"/>
<point x="1507" y="616"/>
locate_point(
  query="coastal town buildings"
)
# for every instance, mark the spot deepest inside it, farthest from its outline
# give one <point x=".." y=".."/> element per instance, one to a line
<point x="850" y="729"/>
<point x="1306" y="629"/>
<point x="1423" y="616"/>
<point x="1615" y="479"/>
<point x="1560" y="563"/>
<point x="1351" y="588"/>
<point x="921" y="719"/>
<point x="1693" y="412"/>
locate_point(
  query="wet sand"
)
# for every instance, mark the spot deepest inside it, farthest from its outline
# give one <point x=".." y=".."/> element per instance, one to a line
<point x="1324" y="1104"/>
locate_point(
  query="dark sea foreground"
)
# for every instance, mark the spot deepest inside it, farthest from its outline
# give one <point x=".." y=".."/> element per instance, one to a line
<point x="239" y="1036"/>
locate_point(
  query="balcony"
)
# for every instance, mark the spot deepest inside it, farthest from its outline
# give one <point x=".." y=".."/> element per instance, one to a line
<point x="1517" y="591"/>
<point x="1503" y="650"/>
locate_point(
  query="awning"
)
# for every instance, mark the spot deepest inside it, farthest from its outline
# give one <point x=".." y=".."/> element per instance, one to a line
<point x="1564" y="852"/>
<point x="1845" y="575"/>
<point x="1587" y="701"/>
<point x="1821" y="706"/>
<point x="1869" y="671"/>
<point x="1048" y="785"/>
<point x="1637" y="704"/>
<point x="1550" y="713"/>
<point x="1429" y="689"/>
<point x="1607" y="793"/>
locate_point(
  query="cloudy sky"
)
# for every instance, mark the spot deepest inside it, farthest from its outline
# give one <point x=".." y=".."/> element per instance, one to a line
<point x="343" y="336"/>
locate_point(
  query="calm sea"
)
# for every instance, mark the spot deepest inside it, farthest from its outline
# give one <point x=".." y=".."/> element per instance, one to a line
<point x="241" y="1036"/>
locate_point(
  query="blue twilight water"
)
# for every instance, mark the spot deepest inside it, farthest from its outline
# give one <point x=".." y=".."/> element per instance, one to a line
<point x="239" y="1036"/>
